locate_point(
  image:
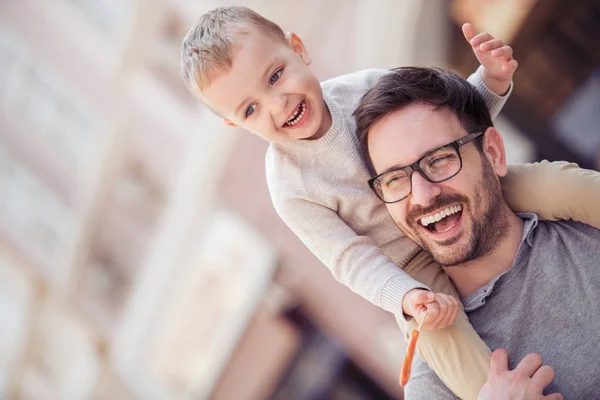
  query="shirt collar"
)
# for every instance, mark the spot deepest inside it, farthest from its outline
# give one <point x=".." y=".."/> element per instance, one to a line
<point x="478" y="298"/>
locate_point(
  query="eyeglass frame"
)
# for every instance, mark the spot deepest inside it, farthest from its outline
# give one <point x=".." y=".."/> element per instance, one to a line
<point x="457" y="144"/>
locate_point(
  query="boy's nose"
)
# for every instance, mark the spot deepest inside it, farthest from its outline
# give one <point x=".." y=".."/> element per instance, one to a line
<point x="278" y="104"/>
<point x="423" y="191"/>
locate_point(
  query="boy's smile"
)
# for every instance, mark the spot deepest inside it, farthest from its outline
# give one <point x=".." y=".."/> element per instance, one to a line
<point x="269" y="90"/>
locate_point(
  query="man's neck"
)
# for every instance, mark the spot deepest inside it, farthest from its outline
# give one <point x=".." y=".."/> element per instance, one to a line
<point x="471" y="275"/>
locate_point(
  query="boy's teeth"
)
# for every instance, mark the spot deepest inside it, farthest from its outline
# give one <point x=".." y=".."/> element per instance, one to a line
<point x="294" y="119"/>
<point x="440" y="215"/>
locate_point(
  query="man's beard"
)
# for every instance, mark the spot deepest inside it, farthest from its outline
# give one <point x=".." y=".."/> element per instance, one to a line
<point x="489" y="224"/>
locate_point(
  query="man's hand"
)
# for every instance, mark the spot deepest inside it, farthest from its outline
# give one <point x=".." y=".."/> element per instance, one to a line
<point x="496" y="58"/>
<point x="526" y="382"/>
<point x="441" y="309"/>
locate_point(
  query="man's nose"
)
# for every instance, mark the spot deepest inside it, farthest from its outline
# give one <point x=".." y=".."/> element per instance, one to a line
<point x="423" y="191"/>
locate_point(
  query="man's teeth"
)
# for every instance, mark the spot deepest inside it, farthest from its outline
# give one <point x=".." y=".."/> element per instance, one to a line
<point x="300" y="110"/>
<point x="440" y="215"/>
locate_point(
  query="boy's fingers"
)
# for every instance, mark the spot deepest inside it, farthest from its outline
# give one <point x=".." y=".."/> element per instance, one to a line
<point x="452" y="311"/>
<point x="498" y="362"/>
<point x="510" y="66"/>
<point x="455" y="314"/>
<point x="423" y="297"/>
<point x="433" y="311"/>
<point x="504" y="51"/>
<point x="481" y="38"/>
<point x="491" y="45"/>
<point x="468" y="31"/>
<point x="443" y="312"/>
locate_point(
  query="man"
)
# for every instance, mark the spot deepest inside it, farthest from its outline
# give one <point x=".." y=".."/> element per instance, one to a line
<point x="527" y="285"/>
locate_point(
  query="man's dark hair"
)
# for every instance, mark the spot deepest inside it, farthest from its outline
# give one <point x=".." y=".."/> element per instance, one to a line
<point x="402" y="87"/>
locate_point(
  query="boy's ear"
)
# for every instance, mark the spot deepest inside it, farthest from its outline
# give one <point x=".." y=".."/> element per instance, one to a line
<point x="229" y="122"/>
<point x="296" y="44"/>
<point x="493" y="147"/>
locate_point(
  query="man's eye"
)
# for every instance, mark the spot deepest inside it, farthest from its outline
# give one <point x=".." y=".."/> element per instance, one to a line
<point x="395" y="180"/>
<point x="250" y="110"/>
<point x="441" y="160"/>
<point x="275" y="77"/>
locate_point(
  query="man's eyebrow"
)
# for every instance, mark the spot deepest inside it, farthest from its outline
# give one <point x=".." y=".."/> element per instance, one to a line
<point x="394" y="167"/>
<point x="400" y="166"/>
<point x="264" y="76"/>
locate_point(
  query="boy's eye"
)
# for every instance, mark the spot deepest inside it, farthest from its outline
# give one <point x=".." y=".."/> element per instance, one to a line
<point x="275" y="77"/>
<point x="250" y="110"/>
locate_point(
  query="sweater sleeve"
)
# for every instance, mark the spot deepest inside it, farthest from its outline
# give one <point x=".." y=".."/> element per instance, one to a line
<point x="355" y="261"/>
<point x="494" y="101"/>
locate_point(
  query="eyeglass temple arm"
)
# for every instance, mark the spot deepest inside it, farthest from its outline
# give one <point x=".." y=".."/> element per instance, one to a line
<point x="469" y="138"/>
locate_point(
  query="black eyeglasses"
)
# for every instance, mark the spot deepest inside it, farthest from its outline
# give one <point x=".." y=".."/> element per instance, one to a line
<point x="436" y="166"/>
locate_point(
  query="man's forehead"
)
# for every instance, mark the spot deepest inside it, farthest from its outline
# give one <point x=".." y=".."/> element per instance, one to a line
<point x="406" y="135"/>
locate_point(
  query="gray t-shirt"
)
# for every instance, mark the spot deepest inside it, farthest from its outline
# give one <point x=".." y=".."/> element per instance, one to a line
<point x="547" y="303"/>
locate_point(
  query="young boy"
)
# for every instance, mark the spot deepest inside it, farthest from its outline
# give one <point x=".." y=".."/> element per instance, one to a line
<point x="248" y="72"/>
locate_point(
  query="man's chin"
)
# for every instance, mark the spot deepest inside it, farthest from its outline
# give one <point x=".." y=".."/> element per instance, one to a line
<point x="449" y="253"/>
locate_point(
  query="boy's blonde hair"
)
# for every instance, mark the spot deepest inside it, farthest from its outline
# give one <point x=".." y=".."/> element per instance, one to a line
<point x="206" y="49"/>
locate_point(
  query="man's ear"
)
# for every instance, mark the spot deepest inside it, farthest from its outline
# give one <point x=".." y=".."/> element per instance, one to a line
<point x="493" y="147"/>
<point x="228" y="122"/>
<point x="296" y="44"/>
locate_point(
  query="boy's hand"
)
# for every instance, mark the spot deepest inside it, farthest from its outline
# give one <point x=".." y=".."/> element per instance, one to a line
<point x="496" y="58"/>
<point x="441" y="309"/>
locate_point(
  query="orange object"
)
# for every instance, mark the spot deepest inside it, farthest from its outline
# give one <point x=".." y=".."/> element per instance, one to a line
<point x="408" y="358"/>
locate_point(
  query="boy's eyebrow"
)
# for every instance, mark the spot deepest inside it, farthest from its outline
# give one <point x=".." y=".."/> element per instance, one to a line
<point x="265" y="73"/>
<point x="238" y="108"/>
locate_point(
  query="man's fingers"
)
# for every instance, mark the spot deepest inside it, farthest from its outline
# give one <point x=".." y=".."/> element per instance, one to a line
<point x="529" y="364"/>
<point x="543" y="376"/>
<point x="482" y="37"/>
<point x="498" y="362"/>
<point x="554" y="396"/>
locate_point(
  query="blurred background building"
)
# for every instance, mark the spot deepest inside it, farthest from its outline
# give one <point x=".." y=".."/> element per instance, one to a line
<point x="140" y="256"/>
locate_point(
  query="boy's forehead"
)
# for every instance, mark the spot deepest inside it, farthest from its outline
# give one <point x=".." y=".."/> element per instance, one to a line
<point x="251" y="57"/>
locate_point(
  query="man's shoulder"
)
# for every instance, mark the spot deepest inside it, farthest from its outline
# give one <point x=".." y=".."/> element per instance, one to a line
<point x="568" y="228"/>
<point x="355" y="83"/>
<point x="567" y="238"/>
